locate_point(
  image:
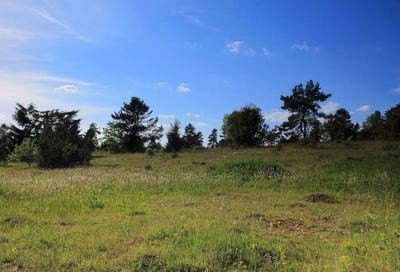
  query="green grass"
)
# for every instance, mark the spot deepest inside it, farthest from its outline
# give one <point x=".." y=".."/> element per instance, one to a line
<point x="219" y="210"/>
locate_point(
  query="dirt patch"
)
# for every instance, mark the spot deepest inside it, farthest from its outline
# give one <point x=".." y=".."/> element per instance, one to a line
<point x="289" y="224"/>
<point x="323" y="198"/>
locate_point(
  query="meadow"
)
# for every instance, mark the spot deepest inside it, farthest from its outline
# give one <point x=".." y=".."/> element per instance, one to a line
<point x="334" y="207"/>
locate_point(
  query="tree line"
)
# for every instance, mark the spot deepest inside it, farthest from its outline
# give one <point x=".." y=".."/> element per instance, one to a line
<point x="53" y="138"/>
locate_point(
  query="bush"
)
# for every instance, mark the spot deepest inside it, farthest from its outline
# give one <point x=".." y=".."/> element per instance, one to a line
<point x="149" y="152"/>
<point x="60" y="144"/>
<point x="25" y="152"/>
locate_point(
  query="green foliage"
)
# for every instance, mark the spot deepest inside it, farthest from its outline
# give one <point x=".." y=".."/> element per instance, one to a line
<point x="213" y="139"/>
<point x="303" y="105"/>
<point x="192" y="139"/>
<point x="339" y="127"/>
<point x="28" y="123"/>
<point x="25" y="152"/>
<point x="372" y="128"/>
<point x="112" y="138"/>
<point x="136" y="124"/>
<point x="392" y="123"/>
<point x="90" y="138"/>
<point x="174" y="140"/>
<point x="5" y="143"/>
<point x="149" y="152"/>
<point x="60" y="144"/>
<point x="245" y="127"/>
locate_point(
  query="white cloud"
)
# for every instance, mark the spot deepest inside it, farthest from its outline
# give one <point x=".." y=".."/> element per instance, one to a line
<point x="68" y="89"/>
<point x="277" y="116"/>
<point x="196" y="115"/>
<point x="301" y="46"/>
<point x="363" y="108"/>
<point x="166" y="116"/>
<point x="44" y="77"/>
<point x="161" y="84"/>
<point x="266" y="52"/>
<point x="234" y="47"/>
<point x="188" y="114"/>
<point x="183" y="88"/>
<point x="330" y="107"/>
<point x="199" y="124"/>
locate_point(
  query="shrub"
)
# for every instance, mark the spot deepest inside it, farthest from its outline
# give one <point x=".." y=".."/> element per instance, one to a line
<point x="25" y="152"/>
<point x="149" y="152"/>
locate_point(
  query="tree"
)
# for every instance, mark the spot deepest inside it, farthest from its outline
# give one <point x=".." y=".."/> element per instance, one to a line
<point x="245" y="127"/>
<point x="60" y="143"/>
<point x="112" y="138"/>
<point x="155" y="137"/>
<point x="135" y="121"/>
<point x="316" y="131"/>
<point x="28" y="123"/>
<point x="191" y="138"/>
<point x="303" y="104"/>
<point x="339" y="127"/>
<point x="25" y="152"/>
<point x="392" y="123"/>
<point x="91" y="137"/>
<point x="372" y="128"/>
<point x="174" y="141"/>
<point x="5" y="143"/>
<point x="213" y="139"/>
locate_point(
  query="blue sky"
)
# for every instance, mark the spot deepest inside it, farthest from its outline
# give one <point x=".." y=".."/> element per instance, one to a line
<point x="197" y="60"/>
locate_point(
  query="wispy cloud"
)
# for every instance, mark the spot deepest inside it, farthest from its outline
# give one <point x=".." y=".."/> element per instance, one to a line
<point x="27" y="76"/>
<point x="330" y="107"/>
<point x="303" y="46"/>
<point x="166" y="116"/>
<point x="266" y="52"/>
<point x="195" y="115"/>
<point x="55" y="21"/>
<point x="161" y="84"/>
<point x="68" y="89"/>
<point x="183" y="88"/>
<point x="363" y="108"/>
<point x="194" y="20"/>
<point x="251" y="52"/>
<point x="234" y="47"/>
<point x="277" y="117"/>
<point x="396" y="90"/>
<point x="199" y="124"/>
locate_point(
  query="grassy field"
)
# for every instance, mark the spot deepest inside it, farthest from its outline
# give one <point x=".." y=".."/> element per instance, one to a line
<point x="331" y="208"/>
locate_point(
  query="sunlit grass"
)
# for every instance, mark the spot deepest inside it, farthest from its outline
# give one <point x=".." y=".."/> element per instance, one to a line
<point x="186" y="214"/>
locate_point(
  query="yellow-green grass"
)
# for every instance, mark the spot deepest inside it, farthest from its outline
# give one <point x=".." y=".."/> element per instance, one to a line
<point x="192" y="214"/>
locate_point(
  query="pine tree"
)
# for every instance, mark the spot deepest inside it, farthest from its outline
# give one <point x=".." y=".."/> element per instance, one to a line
<point x="174" y="141"/>
<point x="303" y="104"/>
<point x="213" y="139"/>
<point x="135" y="121"/>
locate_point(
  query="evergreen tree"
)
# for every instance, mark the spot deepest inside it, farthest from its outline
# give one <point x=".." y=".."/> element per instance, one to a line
<point x="28" y="123"/>
<point x="392" y="123"/>
<point x="91" y="137"/>
<point x="135" y="121"/>
<point x="190" y="137"/>
<point x="372" y="128"/>
<point x="155" y="137"/>
<point x="5" y="143"/>
<point x="339" y="127"/>
<point x="213" y="139"/>
<point x="174" y="141"/>
<point x="303" y="104"/>
<point x="199" y="140"/>
<point x="60" y="143"/>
